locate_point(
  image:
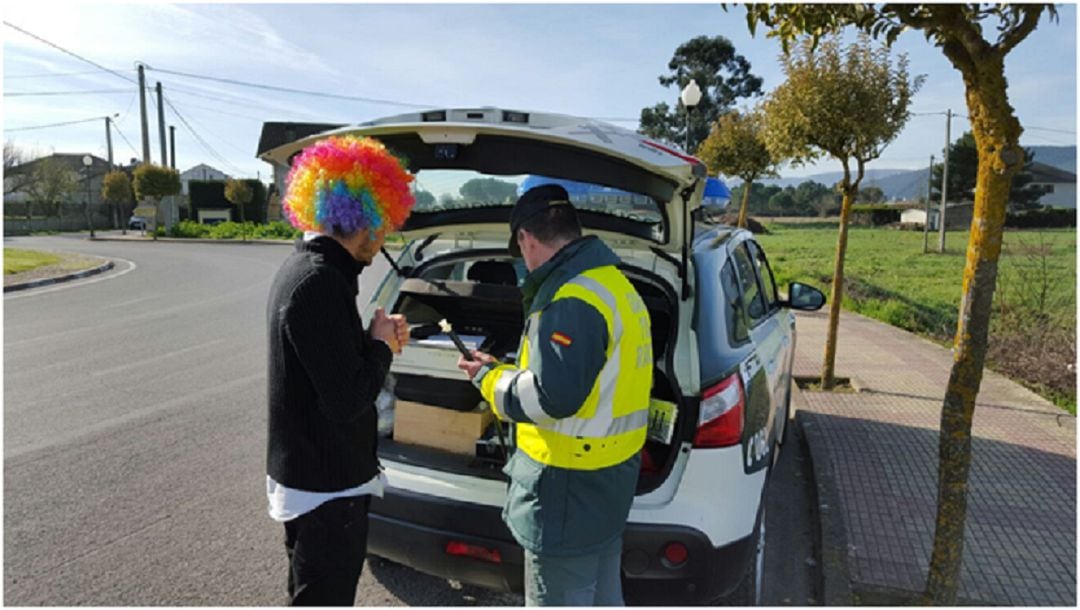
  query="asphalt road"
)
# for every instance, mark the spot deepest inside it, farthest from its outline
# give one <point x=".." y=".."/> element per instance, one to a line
<point x="134" y="441"/>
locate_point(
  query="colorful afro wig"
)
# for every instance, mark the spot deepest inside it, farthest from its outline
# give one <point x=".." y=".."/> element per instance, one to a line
<point x="341" y="185"/>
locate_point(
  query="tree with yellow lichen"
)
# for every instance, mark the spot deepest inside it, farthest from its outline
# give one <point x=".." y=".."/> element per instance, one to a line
<point x="848" y="104"/>
<point x="961" y="31"/>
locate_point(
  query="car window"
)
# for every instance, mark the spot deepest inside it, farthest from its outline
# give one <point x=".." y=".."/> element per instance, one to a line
<point x="734" y="312"/>
<point x="753" y="299"/>
<point x="765" y="273"/>
<point x="440" y="190"/>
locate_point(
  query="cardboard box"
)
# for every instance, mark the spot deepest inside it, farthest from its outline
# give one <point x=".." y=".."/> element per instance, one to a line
<point x="445" y="429"/>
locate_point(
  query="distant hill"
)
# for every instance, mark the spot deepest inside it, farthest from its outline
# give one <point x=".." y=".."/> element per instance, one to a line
<point x="1061" y="157"/>
<point x="910" y="184"/>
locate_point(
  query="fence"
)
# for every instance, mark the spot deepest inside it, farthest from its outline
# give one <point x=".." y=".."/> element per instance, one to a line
<point x="62" y="217"/>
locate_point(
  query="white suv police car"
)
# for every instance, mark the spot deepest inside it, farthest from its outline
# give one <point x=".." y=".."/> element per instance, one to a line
<point x="723" y="343"/>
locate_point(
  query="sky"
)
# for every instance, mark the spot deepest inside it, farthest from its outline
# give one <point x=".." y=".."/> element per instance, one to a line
<point x="600" y="60"/>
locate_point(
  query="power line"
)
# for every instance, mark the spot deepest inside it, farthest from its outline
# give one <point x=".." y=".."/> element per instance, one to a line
<point x="234" y="102"/>
<point x="123" y="137"/>
<point x="97" y="118"/>
<point x="48" y="75"/>
<point x="231" y="81"/>
<point x="84" y="92"/>
<point x="71" y="53"/>
<point x="1026" y="127"/>
<point x="219" y="111"/>
<point x="199" y="138"/>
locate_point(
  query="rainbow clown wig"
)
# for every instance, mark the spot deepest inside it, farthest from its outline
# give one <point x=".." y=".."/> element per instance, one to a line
<point x="341" y="185"/>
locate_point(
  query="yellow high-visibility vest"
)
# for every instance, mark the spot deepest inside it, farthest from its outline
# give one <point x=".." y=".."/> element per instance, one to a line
<point x="610" y="426"/>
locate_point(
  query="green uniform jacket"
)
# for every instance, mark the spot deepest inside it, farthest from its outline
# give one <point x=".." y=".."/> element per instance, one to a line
<point x="550" y="510"/>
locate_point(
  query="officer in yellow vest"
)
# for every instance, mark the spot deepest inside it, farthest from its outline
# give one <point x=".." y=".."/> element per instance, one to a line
<point x="579" y="396"/>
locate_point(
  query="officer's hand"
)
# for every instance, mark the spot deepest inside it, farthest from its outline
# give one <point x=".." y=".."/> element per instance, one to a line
<point x="384" y="329"/>
<point x="471" y="367"/>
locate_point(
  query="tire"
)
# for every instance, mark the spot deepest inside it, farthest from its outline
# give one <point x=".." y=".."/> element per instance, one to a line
<point x="781" y="435"/>
<point x="751" y="589"/>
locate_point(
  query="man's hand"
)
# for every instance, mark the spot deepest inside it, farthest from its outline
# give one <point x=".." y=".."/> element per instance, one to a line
<point x="471" y="367"/>
<point x="385" y="329"/>
<point x="401" y="329"/>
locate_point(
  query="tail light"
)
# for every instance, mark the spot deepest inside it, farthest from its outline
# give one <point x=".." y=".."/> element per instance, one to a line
<point x="720" y="418"/>
<point x="475" y="551"/>
<point x="675" y="554"/>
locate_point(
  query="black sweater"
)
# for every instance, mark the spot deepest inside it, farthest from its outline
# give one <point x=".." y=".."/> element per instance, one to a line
<point x="324" y="373"/>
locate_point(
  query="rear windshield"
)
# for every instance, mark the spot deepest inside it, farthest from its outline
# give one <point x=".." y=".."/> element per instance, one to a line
<point x="442" y="190"/>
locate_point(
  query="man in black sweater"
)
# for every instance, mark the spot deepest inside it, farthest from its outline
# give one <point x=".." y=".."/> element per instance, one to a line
<point x="325" y="370"/>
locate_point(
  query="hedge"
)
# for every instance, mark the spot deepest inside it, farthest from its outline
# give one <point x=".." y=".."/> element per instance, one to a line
<point x="874" y="214"/>
<point x="1046" y="218"/>
<point x="210" y="194"/>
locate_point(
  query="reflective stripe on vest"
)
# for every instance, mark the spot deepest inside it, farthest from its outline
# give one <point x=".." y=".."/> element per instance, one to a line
<point x="610" y="426"/>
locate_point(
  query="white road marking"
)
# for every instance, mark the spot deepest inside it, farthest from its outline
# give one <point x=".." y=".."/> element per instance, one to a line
<point x="33" y="292"/>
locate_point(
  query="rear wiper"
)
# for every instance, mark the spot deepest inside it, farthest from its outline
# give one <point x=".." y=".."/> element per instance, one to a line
<point x="418" y="254"/>
<point x="393" y="263"/>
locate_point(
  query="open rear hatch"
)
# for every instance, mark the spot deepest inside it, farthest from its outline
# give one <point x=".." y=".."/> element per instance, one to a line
<point x="470" y="165"/>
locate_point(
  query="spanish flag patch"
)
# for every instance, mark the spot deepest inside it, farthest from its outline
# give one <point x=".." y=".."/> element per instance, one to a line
<point x="561" y="339"/>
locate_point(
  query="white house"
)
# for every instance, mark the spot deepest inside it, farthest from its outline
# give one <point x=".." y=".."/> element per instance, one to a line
<point x="1060" y="185"/>
<point x="201" y="171"/>
<point x="957" y="215"/>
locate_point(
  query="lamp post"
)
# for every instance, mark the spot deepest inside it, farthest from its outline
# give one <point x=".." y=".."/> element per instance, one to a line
<point x="690" y="96"/>
<point x="87" y="161"/>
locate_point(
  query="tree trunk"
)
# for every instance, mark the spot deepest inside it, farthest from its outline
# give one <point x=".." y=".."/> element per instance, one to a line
<point x="850" y="190"/>
<point x="997" y="134"/>
<point x="747" y="185"/>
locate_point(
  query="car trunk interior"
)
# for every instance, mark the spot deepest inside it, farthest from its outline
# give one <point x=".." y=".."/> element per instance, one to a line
<point x="480" y="297"/>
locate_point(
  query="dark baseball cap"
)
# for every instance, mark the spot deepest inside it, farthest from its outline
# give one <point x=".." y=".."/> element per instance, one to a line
<point x="534" y="201"/>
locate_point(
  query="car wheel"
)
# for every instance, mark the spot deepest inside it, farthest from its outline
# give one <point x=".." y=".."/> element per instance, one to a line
<point x="751" y="589"/>
<point x="781" y="434"/>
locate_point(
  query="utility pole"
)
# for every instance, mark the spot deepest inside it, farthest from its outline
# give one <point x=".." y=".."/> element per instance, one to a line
<point x="161" y="124"/>
<point x="142" y="109"/>
<point x="926" y="225"/>
<point x="944" y="183"/>
<point x="172" y="146"/>
<point x="108" y="140"/>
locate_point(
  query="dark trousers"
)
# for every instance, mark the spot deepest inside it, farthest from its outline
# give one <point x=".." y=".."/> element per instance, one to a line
<point x="326" y="549"/>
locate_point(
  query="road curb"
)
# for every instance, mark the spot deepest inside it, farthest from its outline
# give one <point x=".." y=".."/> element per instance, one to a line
<point x="60" y="278"/>
<point x="260" y="242"/>
<point x="836" y="575"/>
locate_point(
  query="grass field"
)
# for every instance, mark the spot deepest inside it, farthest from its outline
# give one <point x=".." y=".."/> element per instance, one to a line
<point x="888" y="277"/>
<point x="16" y="261"/>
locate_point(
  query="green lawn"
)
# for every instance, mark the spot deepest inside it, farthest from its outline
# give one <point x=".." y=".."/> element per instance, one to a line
<point x="16" y="260"/>
<point x="888" y="277"/>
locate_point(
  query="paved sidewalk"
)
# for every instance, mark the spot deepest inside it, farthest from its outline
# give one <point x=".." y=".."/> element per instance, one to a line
<point x="875" y="464"/>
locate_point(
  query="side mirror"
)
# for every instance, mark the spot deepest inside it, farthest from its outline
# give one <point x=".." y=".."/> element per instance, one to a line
<point x="804" y="298"/>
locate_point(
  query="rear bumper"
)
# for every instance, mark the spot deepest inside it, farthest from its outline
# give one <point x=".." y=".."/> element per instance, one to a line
<point x="414" y="529"/>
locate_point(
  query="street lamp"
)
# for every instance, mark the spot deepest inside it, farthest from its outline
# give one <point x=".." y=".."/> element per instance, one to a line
<point x="87" y="161"/>
<point x="691" y="95"/>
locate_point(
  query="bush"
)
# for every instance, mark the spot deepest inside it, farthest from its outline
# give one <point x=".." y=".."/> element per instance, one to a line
<point x="189" y="229"/>
<point x="231" y="230"/>
<point x="752" y="225"/>
<point x="1046" y="218"/>
<point x="279" y="229"/>
<point x="874" y="215"/>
